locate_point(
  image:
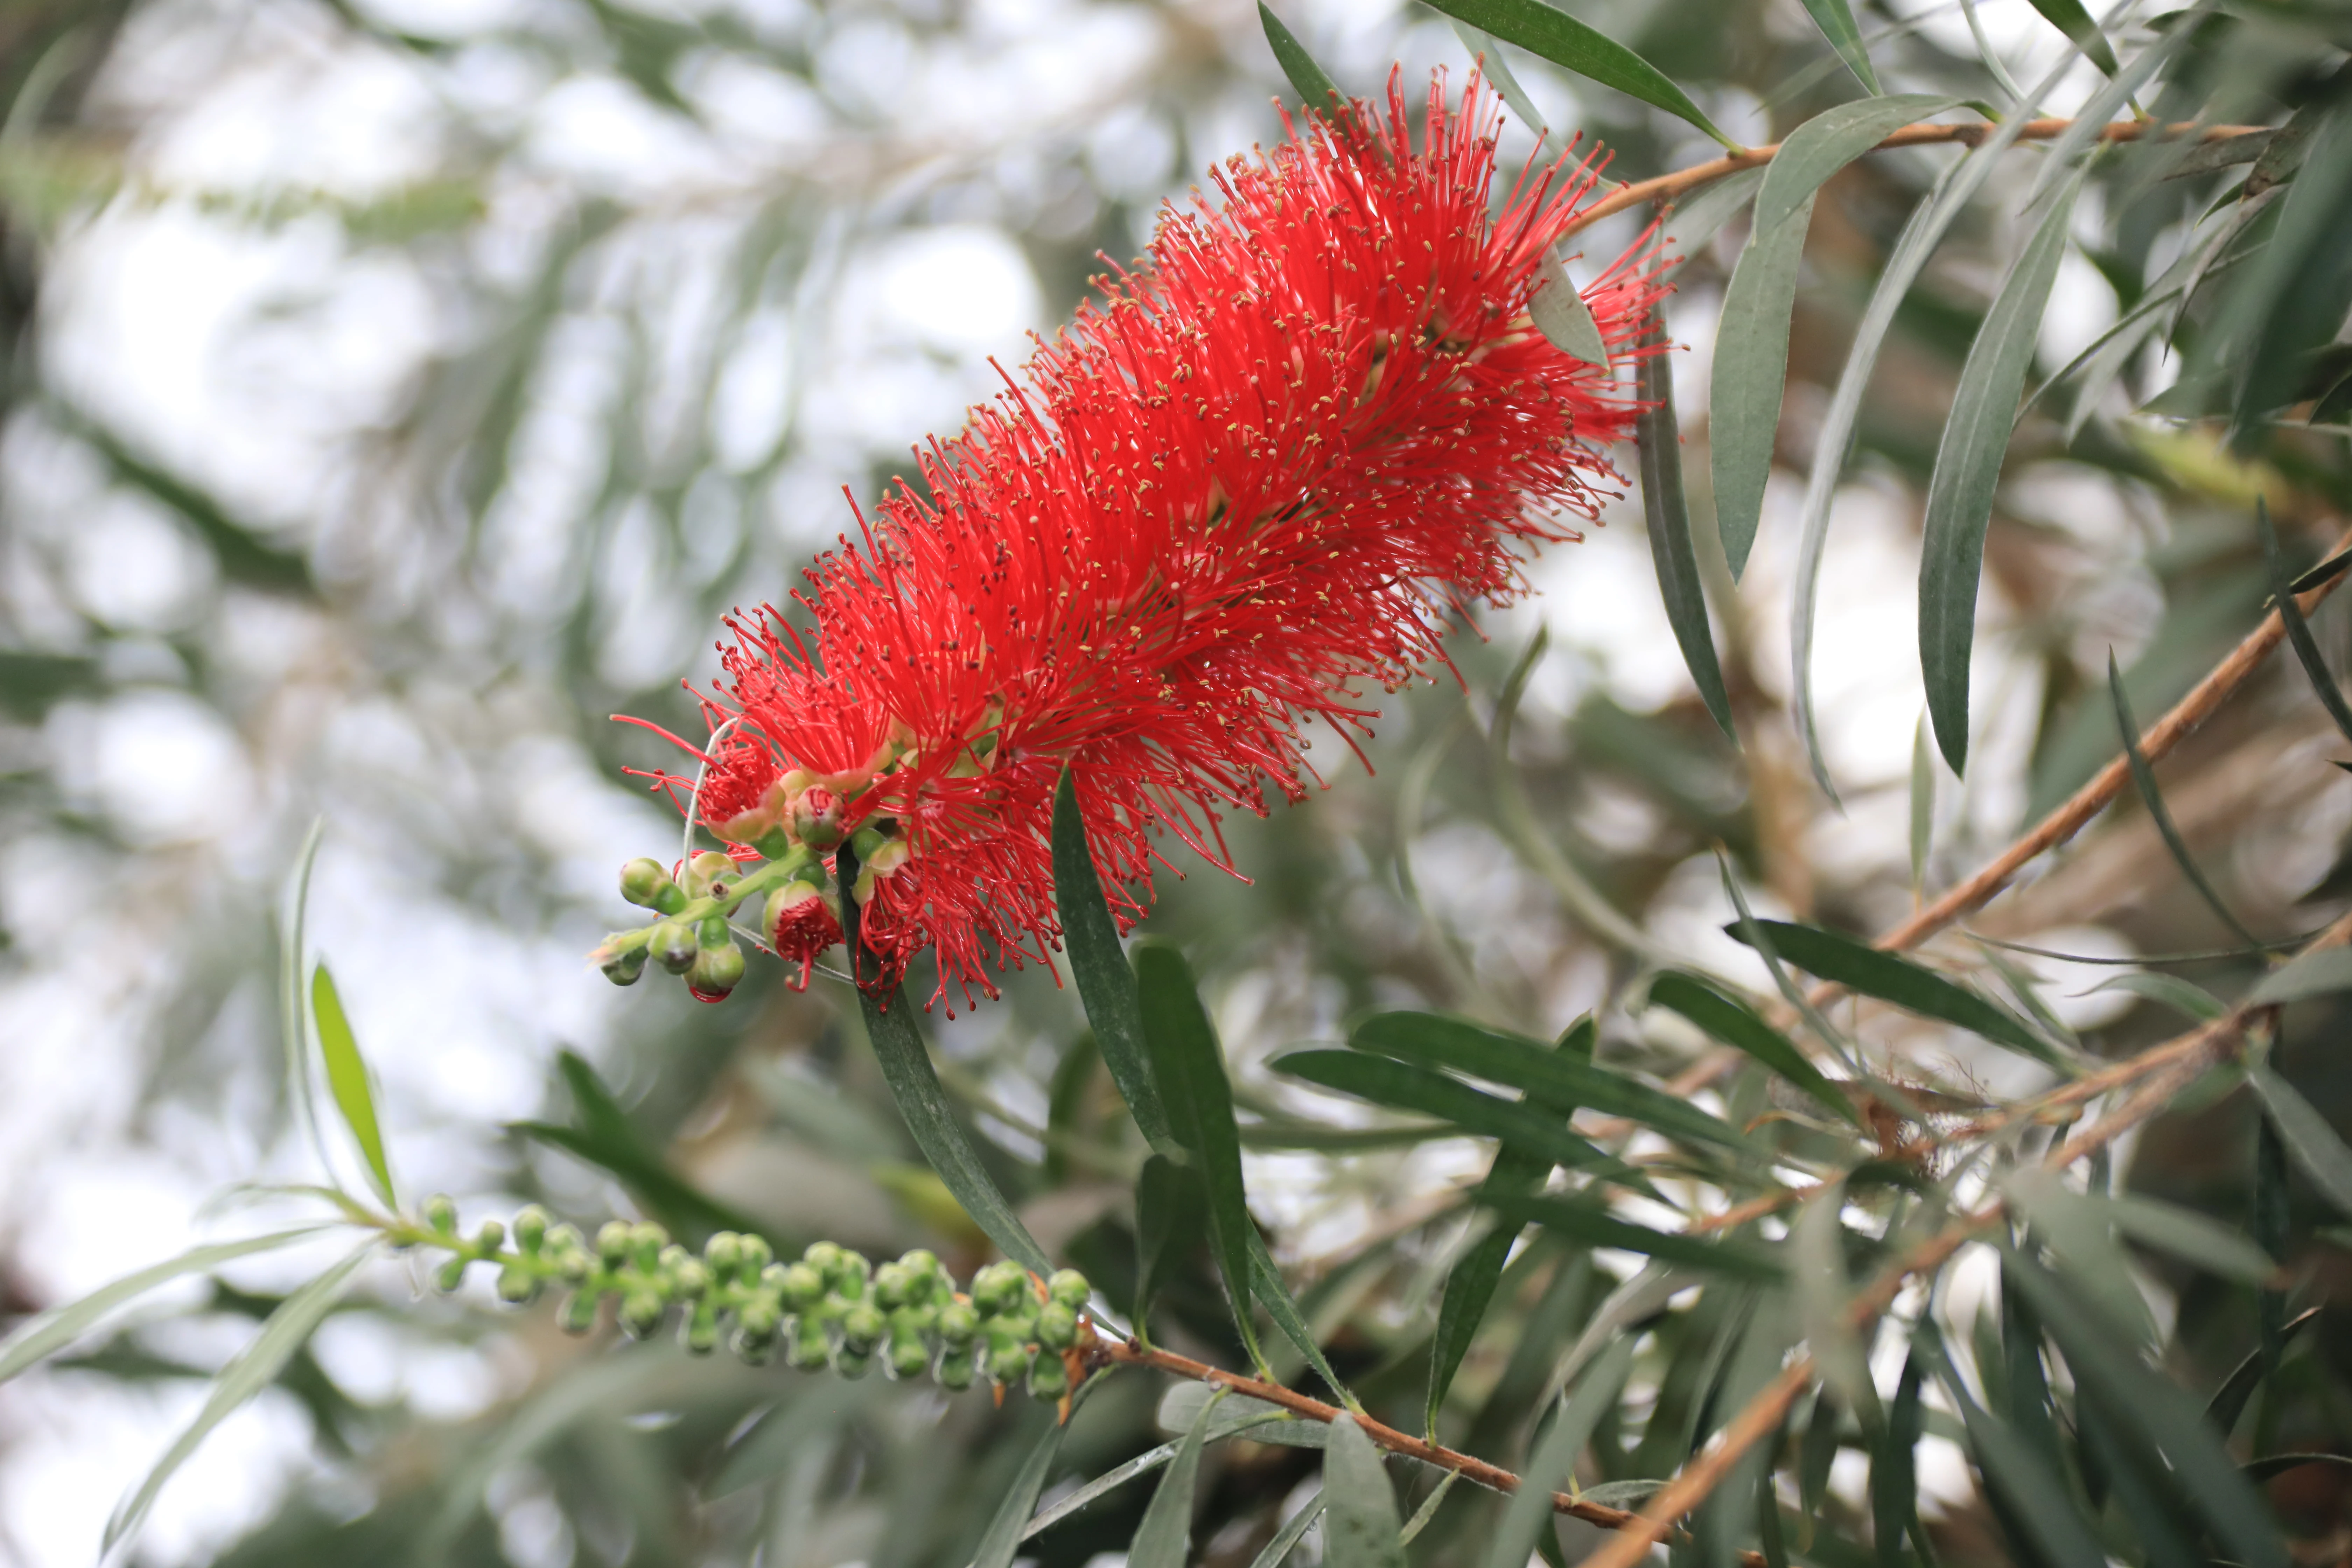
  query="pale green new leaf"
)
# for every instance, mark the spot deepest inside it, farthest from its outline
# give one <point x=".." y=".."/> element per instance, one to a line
<point x="1360" y="1529"/>
<point x="347" y="1077"/>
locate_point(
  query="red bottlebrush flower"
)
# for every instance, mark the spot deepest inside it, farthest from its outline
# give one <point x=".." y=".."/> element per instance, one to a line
<point x="1258" y="474"/>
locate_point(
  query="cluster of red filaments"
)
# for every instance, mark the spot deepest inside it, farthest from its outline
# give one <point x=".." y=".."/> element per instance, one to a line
<point x="1257" y="479"/>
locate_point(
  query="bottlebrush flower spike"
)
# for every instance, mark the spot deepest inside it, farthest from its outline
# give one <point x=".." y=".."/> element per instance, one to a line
<point x="1259" y="474"/>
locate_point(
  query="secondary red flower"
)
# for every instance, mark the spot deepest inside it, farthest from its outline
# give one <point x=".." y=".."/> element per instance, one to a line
<point x="1257" y="478"/>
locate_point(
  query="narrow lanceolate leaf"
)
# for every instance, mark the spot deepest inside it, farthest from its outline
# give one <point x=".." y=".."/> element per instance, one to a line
<point x="1266" y="1285"/>
<point x="2315" y="1145"/>
<point x="1003" y="1540"/>
<point x="1736" y="1025"/>
<point x="1693" y="225"/>
<point x="1189" y="1065"/>
<point x="1427" y="1512"/>
<point x="2185" y="1233"/>
<point x="1294" y="1531"/>
<point x="2298" y="631"/>
<point x="1406" y="1086"/>
<point x="1544" y="29"/>
<point x="2144" y="780"/>
<point x="1588" y="1222"/>
<point x="347" y="1077"/>
<point x="1313" y="84"/>
<point x="2313" y="974"/>
<point x="2181" y="995"/>
<point x="1252" y="1423"/>
<point x="2069" y="18"/>
<point x="1433" y="1040"/>
<point x="255" y="1368"/>
<point x="1488" y="52"/>
<point x="1106" y="982"/>
<point x="290" y="1012"/>
<point x="1658" y="439"/>
<point x="1171" y="1214"/>
<point x="2229" y="1401"/>
<point x="1835" y="19"/>
<point x="1530" y="1507"/>
<point x="40" y="1337"/>
<point x="1560" y="314"/>
<point x="1895" y="1471"/>
<point x="1906" y="985"/>
<point x="1824" y="1293"/>
<point x="1923" y="807"/>
<point x="914" y="1086"/>
<point x="1751" y="350"/>
<point x="2037" y="1498"/>
<point x="1361" y="1528"/>
<point x="1968" y="471"/>
<point x="1166" y="1532"/>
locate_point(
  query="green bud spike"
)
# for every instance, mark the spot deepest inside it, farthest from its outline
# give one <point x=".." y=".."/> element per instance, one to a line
<point x="673" y="947"/>
<point x="642" y="881"/>
<point x="862" y="1326"/>
<point x="998" y="1289"/>
<point x="641" y="1313"/>
<point x="441" y="1213"/>
<point x="958" y="1325"/>
<point x="717" y="970"/>
<point x="531" y="1229"/>
<point x="1057" y="1326"/>
<point x="849" y="1275"/>
<point x="1048" y="1378"/>
<point x="1069" y="1288"/>
<point x="626" y="968"/>
<point x="578" y="1313"/>
<point x="613" y="1242"/>
<point x="518" y="1286"/>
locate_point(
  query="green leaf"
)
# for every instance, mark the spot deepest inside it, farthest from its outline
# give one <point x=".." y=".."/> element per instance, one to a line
<point x="1488" y="52"/>
<point x="2185" y="1233"/>
<point x="1835" y="19"/>
<point x="2080" y="1229"/>
<point x="2162" y="1415"/>
<point x="2182" y="995"/>
<point x="1162" y="1539"/>
<point x="606" y="1138"/>
<point x="1753" y="933"/>
<point x="1733" y="1024"/>
<point x="1923" y="806"/>
<point x="2298" y="630"/>
<point x="1693" y="225"/>
<point x="914" y="1086"/>
<point x="2292" y="301"/>
<point x="1251" y="1421"/>
<point x="2037" y="1499"/>
<point x="1547" y="30"/>
<point x="1659" y="443"/>
<point x="1587" y="1222"/>
<point x="1824" y="1296"/>
<point x="44" y="1335"/>
<point x="1292" y="1533"/>
<point x="1266" y="1285"/>
<point x="1189" y="1066"/>
<point x="253" y="1368"/>
<point x="2229" y="1401"/>
<point x="1404" y="1086"/>
<point x="1530" y="1511"/>
<point x="1831" y="140"/>
<point x="347" y="1077"/>
<point x="1003" y="1538"/>
<point x="2069" y="18"/>
<point x="1171" y="1214"/>
<point x="1968" y="462"/>
<point x="1908" y="985"/>
<point x="2308" y="1137"/>
<point x="293" y="1037"/>
<point x="2313" y="974"/>
<point x="1895" y="1471"/>
<point x="1560" y="314"/>
<point x="1560" y="1078"/>
<point x="1361" y="1528"/>
<point x="1106" y="982"/>
<point x="1318" y="91"/>
<point x="2144" y="781"/>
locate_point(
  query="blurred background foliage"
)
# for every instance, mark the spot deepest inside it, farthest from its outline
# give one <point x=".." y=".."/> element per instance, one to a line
<point x="396" y="388"/>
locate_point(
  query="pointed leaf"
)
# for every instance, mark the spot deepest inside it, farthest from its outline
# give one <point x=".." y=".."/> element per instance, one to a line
<point x="2144" y="780"/>
<point x="1734" y="1025"/>
<point x="1560" y="314"/>
<point x="1908" y="985"/>
<point x="1692" y="225"/>
<point x="2229" y="1401"/>
<point x="294" y="1038"/>
<point x="1001" y="1540"/>
<point x="253" y="1368"/>
<point x="1314" y="86"/>
<point x="2323" y="685"/>
<point x="1544" y="29"/>
<point x="1968" y="461"/>
<point x="1488" y="52"/>
<point x="2307" y="1135"/>
<point x="347" y="1077"/>
<point x="2080" y="1229"/>
<point x="2037" y="1498"/>
<point x="1359" y="1527"/>
<point x="2181" y="995"/>
<point x="1403" y="1085"/>
<point x="1831" y="140"/>
<point x="2188" y="1235"/>
<point x="1161" y="1540"/>
<point x="1835" y="19"/>
<point x="1658" y="441"/>
<point x="1529" y="1511"/>
<point x="1294" y="1531"/>
<point x="1251" y="1422"/>
<point x="1105" y="982"/>
<point x="1825" y="1298"/>
<point x="1923" y="807"/>
<point x="2313" y="974"/>
<point x="1895" y="1471"/>
<point x="1427" y="1511"/>
<point x="2069" y="18"/>
<point x="1588" y="1222"/>
<point x="1266" y="1285"/>
<point x="1170" y="1214"/>
<point x="1189" y="1066"/>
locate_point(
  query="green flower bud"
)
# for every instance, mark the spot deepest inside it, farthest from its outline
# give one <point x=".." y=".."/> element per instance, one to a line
<point x="670" y="899"/>
<point x="894" y="1285"/>
<point x="642" y="881"/>
<point x="921" y="1262"/>
<point x="810" y="1346"/>
<point x="673" y="947"/>
<point x="1008" y="1358"/>
<point x="693" y="1278"/>
<point x="1048" y="1378"/>
<point x="710" y="867"/>
<point x="853" y="1364"/>
<point x="441" y="1213"/>
<point x="578" y="1313"/>
<point x="646" y="1240"/>
<point x="700" y="1332"/>
<point x="958" y="1325"/>
<point x="849" y="1275"/>
<point x="626" y="968"/>
<point x="757" y="1327"/>
<point x="821" y="1255"/>
<point x="489" y="1238"/>
<point x="1020" y="1325"/>
<point x="641" y="1313"/>
<point x="801" y="1285"/>
<point x="518" y="1286"/>
<point x="716" y="970"/>
<point x="613" y="1242"/>
<point x="711" y="932"/>
<point x="910" y="1356"/>
<point x="1057" y="1326"/>
<point x="862" y="1326"/>
<point x="955" y="1370"/>
<point x="724" y="1253"/>
<point x="757" y="1255"/>
<point x="452" y="1275"/>
<point x="998" y="1289"/>
<point x="531" y="1229"/>
<point x="1069" y="1288"/>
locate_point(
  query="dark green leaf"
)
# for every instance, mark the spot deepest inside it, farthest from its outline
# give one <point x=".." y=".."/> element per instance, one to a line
<point x="1314" y="86"/>
<point x="347" y="1077"/>
<point x="1106" y="982"/>
<point x="1361" y="1528"/>
<point x="2292" y="302"/>
<point x="1736" y="1025"/>
<point x="2314" y="975"/>
<point x="1171" y="1216"/>
<point x="2037" y="1500"/>
<point x="1906" y="985"/>
<point x="1407" y="1087"/>
<point x="2271" y="1223"/>
<point x="1003" y="1538"/>
<point x="1469" y="1290"/>
<point x="1166" y="1531"/>
<point x="2069" y="18"/>
<point x="1561" y="1078"/>
<point x="2229" y="1401"/>
<point x="1894" y="1469"/>
<point x="1658" y="441"/>
<point x="1189" y="1066"/>
<point x="914" y="1085"/>
<point x="1529" y="1511"/>
<point x="1266" y="1285"/>
<point x="2185" y="1233"/>
<point x="1589" y="1224"/>
<point x="1547" y="30"/>
<point x="1835" y="19"/>
<point x="2144" y="780"/>
<point x="2307" y="1136"/>
<point x="1968" y="471"/>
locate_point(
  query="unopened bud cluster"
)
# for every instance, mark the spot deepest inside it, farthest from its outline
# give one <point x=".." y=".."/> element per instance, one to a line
<point x="830" y="1308"/>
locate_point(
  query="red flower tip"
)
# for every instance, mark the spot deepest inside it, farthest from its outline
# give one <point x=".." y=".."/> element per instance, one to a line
<point x="1256" y="478"/>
